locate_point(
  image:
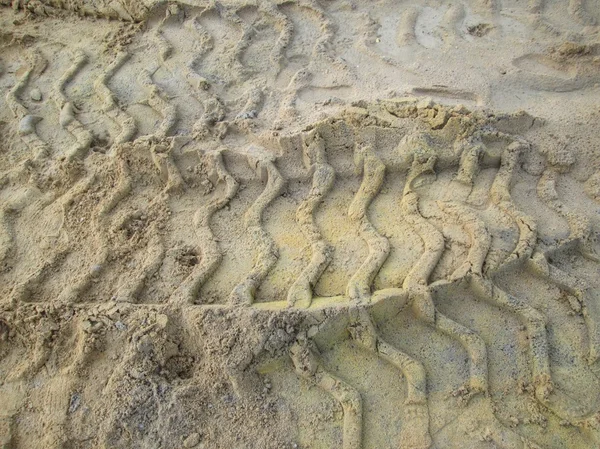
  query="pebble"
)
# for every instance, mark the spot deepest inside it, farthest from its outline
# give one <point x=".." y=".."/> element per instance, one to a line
<point x="27" y="124"/>
<point x="425" y="103"/>
<point x="192" y="440"/>
<point x="312" y="331"/>
<point x="67" y="115"/>
<point x="74" y="403"/>
<point x="36" y="94"/>
<point x="86" y="325"/>
<point x="248" y="115"/>
<point x="162" y="320"/>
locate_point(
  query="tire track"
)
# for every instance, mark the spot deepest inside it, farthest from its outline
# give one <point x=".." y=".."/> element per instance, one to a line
<point x="23" y="292"/>
<point x="39" y="148"/>
<point x="27" y="123"/>
<point x="449" y="30"/>
<point x="481" y="240"/>
<point x="321" y="47"/>
<point x="247" y="32"/>
<point x="206" y="45"/>
<point x="310" y="66"/>
<point x="6" y="234"/>
<point x="155" y="251"/>
<point x="359" y="286"/>
<point x="68" y="113"/>
<point x="370" y="28"/>
<point x="417" y="289"/>
<point x="248" y="105"/>
<point x="586" y="295"/>
<point x="212" y="255"/>
<point x="580" y="227"/>
<point x="534" y="320"/>
<point x="301" y="291"/>
<point x="267" y="253"/>
<point x="286" y="33"/>
<point x="75" y="290"/>
<point x="40" y="350"/>
<point x="470" y="155"/>
<point x="579" y="238"/>
<point x="310" y="368"/>
<point x="406" y="34"/>
<point x="415" y="284"/>
<point x="165" y="49"/>
<point x="324" y="42"/>
<point x="110" y="105"/>
<point x="213" y="108"/>
<point x="131" y="290"/>
<point x="156" y="100"/>
<point x="501" y="197"/>
<point x="486" y="289"/>
<point x="577" y="8"/>
<point x="415" y="426"/>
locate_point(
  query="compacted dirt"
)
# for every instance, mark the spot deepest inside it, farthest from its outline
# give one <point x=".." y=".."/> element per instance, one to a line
<point x="299" y="224"/>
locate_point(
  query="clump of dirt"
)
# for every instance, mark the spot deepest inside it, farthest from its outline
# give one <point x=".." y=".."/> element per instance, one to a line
<point x="571" y="49"/>
<point x="480" y="29"/>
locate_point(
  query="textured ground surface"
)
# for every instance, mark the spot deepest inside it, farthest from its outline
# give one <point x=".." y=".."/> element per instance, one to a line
<point x="299" y="224"/>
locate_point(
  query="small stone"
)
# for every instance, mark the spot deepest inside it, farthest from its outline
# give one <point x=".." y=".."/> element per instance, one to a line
<point x="74" y="402"/>
<point x="192" y="440"/>
<point x="36" y="94"/>
<point x="460" y="109"/>
<point x="312" y="331"/>
<point x="162" y="320"/>
<point x="27" y="124"/>
<point x="113" y="313"/>
<point x="67" y="115"/>
<point x="247" y="115"/>
<point x="145" y="345"/>
<point x="425" y="103"/>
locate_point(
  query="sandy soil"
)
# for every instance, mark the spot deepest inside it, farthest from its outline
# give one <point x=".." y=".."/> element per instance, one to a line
<point x="299" y="224"/>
